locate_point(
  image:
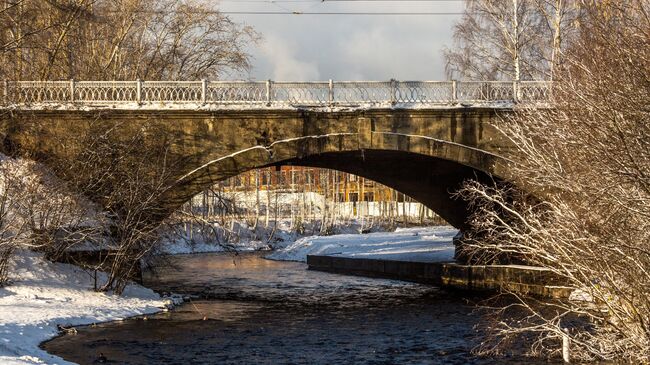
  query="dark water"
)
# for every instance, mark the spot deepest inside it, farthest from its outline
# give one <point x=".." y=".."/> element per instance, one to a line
<point x="256" y="311"/>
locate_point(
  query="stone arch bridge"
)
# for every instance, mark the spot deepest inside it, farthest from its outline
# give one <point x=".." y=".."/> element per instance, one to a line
<point x="420" y="138"/>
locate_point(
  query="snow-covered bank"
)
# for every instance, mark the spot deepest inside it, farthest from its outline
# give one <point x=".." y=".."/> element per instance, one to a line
<point x="242" y="237"/>
<point x="427" y="244"/>
<point x="44" y="295"/>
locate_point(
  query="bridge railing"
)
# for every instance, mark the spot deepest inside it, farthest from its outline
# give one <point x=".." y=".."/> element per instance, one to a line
<point x="273" y="94"/>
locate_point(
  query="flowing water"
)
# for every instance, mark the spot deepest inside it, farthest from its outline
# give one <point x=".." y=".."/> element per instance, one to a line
<point x="255" y="311"/>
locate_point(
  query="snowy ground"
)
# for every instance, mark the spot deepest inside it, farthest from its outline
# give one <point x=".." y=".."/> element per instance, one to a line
<point x="44" y="295"/>
<point x="246" y="238"/>
<point x="180" y="247"/>
<point x="428" y="244"/>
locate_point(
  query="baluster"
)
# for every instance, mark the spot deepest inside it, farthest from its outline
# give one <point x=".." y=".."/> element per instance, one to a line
<point x="268" y="92"/>
<point x="72" y="90"/>
<point x="393" y="90"/>
<point x="331" y="92"/>
<point x="204" y="91"/>
<point x="454" y="91"/>
<point x="138" y="91"/>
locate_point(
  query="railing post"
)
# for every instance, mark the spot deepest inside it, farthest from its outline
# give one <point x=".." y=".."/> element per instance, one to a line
<point x="72" y="90"/>
<point x="268" y="92"/>
<point x="331" y="92"/>
<point x="138" y="91"/>
<point x="5" y="92"/>
<point x="204" y="91"/>
<point x="454" y="91"/>
<point x="393" y="90"/>
<point x="515" y="91"/>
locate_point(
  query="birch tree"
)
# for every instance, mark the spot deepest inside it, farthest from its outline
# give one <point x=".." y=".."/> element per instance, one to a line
<point x="510" y="39"/>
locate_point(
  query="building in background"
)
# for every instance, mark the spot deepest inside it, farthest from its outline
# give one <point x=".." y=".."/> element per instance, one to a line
<point x="342" y="186"/>
<point x="307" y="193"/>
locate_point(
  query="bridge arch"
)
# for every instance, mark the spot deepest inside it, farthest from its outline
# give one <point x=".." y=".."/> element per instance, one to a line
<point x="424" y="168"/>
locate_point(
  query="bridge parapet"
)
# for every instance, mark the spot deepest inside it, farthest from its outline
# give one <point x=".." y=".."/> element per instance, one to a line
<point x="271" y="94"/>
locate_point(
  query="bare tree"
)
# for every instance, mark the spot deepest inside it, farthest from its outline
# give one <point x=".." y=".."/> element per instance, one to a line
<point x="12" y="226"/>
<point x="585" y="167"/>
<point x="510" y="39"/>
<point x="127" y="174"/>
<point x="120" y="39"/>
<point x="39" y="213"/>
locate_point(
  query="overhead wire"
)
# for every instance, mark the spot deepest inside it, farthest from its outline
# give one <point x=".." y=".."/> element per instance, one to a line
<point x="296" y="12"/>
<point x="329" y="1"/>
<point x="319" y="2"/>
<point x="286" y="11"/>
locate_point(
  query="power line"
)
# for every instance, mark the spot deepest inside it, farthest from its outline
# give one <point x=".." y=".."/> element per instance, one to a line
<point x="286" y="11"/>
<point x="329" y="1"/>
<point x="377" y="1"/>
<point x="336" y="13"/>
<point x="374" y="1"/>
<point x="293" y="13"/>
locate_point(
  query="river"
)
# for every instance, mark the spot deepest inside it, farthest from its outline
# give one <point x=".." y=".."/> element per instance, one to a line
<point x="249" y="310"/>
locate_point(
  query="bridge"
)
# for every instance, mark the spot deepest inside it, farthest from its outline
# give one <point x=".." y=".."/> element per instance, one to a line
<point x="420" y="138"/>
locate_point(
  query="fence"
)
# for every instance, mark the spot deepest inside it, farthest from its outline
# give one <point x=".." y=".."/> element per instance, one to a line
<point x="274" y="94"/>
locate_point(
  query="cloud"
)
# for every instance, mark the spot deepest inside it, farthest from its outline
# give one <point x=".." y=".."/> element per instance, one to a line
<point x="283" y="62"/>
<point x="311" y="47"/>
<point x="406" y="52"/>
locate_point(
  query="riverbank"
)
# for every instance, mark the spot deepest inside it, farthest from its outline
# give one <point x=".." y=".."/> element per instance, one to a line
<point x="245" y="238"/>
<point x="249" y="310"/>
<point x="45" y="295"/>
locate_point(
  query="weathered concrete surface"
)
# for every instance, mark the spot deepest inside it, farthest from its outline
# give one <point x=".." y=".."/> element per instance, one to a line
<point x="525" y="280"/>
<point x="425" y="154"/>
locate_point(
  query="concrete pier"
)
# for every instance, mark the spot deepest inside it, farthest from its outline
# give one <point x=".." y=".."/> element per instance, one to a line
<point x="526" y="280"/>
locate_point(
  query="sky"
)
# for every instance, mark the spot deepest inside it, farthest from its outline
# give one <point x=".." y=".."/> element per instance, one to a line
<point x="308" y="47"/>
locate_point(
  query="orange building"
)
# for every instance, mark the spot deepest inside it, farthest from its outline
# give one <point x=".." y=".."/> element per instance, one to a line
<point x="346" y="187"/>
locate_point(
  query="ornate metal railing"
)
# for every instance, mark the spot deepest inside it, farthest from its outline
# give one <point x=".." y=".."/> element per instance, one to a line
<point x="195" y="94"/>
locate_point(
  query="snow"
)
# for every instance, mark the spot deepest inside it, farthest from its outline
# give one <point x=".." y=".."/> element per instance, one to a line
<point x="44" y="295"/>
<point x="245" y="238"/>
<point x="181" y="247"/>
<point x="427" y="244"/>
<point x="245" y="106"/>
<point x="581" y="295"/>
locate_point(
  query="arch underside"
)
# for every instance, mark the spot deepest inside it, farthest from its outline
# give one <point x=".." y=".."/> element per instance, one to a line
<point x="431" y="181"/>
<point x="427" y="170"/>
